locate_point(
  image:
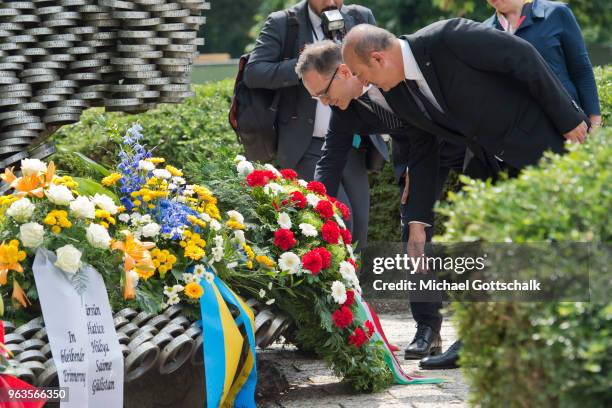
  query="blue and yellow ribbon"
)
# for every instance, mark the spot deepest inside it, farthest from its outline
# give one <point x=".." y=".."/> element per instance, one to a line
<point x="227" y="384"/>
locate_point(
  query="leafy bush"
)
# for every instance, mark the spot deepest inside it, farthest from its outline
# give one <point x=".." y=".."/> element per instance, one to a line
<point x="541" y="354"/>
<point x="195" y="133"/>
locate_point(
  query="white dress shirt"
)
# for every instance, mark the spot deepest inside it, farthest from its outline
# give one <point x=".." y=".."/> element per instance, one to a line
<point x="413" y="72"/>
<point x="323" y="113"/>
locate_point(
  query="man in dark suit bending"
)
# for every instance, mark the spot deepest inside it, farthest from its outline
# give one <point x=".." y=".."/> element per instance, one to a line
<point x="460" y="81"/>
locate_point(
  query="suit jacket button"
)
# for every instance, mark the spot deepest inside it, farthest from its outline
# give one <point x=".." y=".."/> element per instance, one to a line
<point x="310" y="120"/>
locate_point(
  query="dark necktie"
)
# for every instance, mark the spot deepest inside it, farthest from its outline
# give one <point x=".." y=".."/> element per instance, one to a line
<point x="418" y="96"/>
<point x="389" y="119"/>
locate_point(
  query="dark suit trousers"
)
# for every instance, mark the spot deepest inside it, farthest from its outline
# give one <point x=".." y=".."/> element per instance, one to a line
<point x="354" y="189"/>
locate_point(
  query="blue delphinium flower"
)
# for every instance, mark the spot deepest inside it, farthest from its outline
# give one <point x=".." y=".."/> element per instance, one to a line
<point x="131" y="153"/>
<point x="172" y="217"/>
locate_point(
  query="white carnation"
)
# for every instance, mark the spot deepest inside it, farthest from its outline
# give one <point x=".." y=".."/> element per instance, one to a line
<point x="308" y="230"/>
<point x="151" y="230"/>
<point x="21" y="210"/>
<point x="81" y="207"/>
<point x="244" y="168"/>
<point x="68" y="259"/>
<point x="32" y="167"/>
<point x="303" y="183"/>
<point x="273" y="188"/>
<point x="289" y="262"/>
<point x="146" y="165"/>
<point x="239" y="158"/>
<point x="284" y="221"/>
<point x="31" y="234"/>
<point x="338" y="292"/>
<point x="59" y="194"/>
<point x="97" y="236"/>
<point x="105" y="203"/>
<point x="348" y="273"/>
<point x="273" y="169"/>
<point x="312" y="199"/>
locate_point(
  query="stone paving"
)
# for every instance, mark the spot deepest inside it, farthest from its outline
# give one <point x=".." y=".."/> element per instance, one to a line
<point x="312" y="384"/>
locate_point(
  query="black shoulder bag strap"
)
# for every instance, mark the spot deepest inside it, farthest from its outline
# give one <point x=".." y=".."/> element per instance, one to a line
<point x="290" y="39"/>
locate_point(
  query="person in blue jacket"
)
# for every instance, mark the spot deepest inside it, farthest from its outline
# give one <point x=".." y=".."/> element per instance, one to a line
<point x="553" y="30"/>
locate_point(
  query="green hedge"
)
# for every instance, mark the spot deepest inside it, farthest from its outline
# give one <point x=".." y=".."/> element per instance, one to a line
<point x="541" y="354"/>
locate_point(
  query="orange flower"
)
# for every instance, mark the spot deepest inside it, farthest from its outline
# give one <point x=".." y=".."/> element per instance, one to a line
<point x="136" y="256"/>
<point x="194" y="290"/>
<point x="10" y="256"/>
<point x="29" y="185"/>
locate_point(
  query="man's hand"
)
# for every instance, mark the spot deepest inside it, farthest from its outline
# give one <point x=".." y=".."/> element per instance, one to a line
<point x="578" y="134"/>
<point x="416" y="245"/>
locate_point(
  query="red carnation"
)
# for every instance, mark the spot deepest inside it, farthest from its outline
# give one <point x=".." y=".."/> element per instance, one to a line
<point x="288" y="174"/>
<point x="352" y="262"/>
<point x="350" y="298"/>
<point x="299" y="199"/>
<point x="325" y="209"/>
<point x="325" y="256"/>
<point x="346" y="236"/>
<point x="284" y="239"/>
<point x="346" y="213"/>
<point x="312" y="261"/>
<point x="370" y="327"/>
<point x="316" y="187"/>
<point x="342" y="317"/>
<point x="260" y="178"/>
<point x="330" y="232"/>
<point x="358" y="337"/>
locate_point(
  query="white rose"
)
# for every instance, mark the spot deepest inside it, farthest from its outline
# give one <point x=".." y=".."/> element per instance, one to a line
<point x="239" y="234"/>
<point x="244" y="168"/>
<point x="235" y="216"/>
<point x="59" y="195"/>
<point x="31" y="234"/>
<point x="146" y="165"/>
<point x="162" y="173"/>
<point x="105" y="203"/>
<point x="97" y="236"/>
<point x="151" y="230"/>
<point x="32" y="167"/>
<point x="284" y="221"/>
<point x="21" y="210"/>
<point x="308" y="230"/>
<point x="289" y="262"/>
<point x="338" y="291"/>
<point x="312" y="199"/>
<point x="239" y="158"/>
<point x="68" y="259"/>
<point x="81" y="207"/>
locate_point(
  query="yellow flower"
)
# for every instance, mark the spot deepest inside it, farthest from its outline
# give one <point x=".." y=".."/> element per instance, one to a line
<point x="174" y="171"/>
<point x="194" y="290"/>
<point x="248" y="251"/>
<point x="213" y="211"/>
<point x="235" y="225"/>
<point x="249" y="264"/>
<point x="156" y="160"/>
<point x="10" y="258"/>
<point x="111" y="179"/>
<point x="50" y="220"/>
<point x="55" y="229"/>
<point x="136" y="202"/>
<point x="265" y="261"/>
<point x="120" y="209"/>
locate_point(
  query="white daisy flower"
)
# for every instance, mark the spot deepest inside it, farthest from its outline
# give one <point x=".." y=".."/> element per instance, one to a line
<point x="210" y="278"/>
<point x="289" y="262"/>
<point x="338" y="292"/>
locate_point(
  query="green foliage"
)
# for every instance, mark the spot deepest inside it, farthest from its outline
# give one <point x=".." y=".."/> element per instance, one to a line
<point x="544" y="354"/>
<point x="195" y="132"/>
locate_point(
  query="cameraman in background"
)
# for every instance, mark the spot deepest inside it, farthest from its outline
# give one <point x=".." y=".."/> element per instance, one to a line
<point x="302" y="121"/>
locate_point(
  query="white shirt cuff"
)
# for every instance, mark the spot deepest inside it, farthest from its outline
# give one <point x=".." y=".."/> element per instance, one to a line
<point x="420" y="222"/>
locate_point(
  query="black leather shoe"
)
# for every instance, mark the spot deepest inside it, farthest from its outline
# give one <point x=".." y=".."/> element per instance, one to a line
<point x="426" y="342"/>
<point x="446" y="360"/>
